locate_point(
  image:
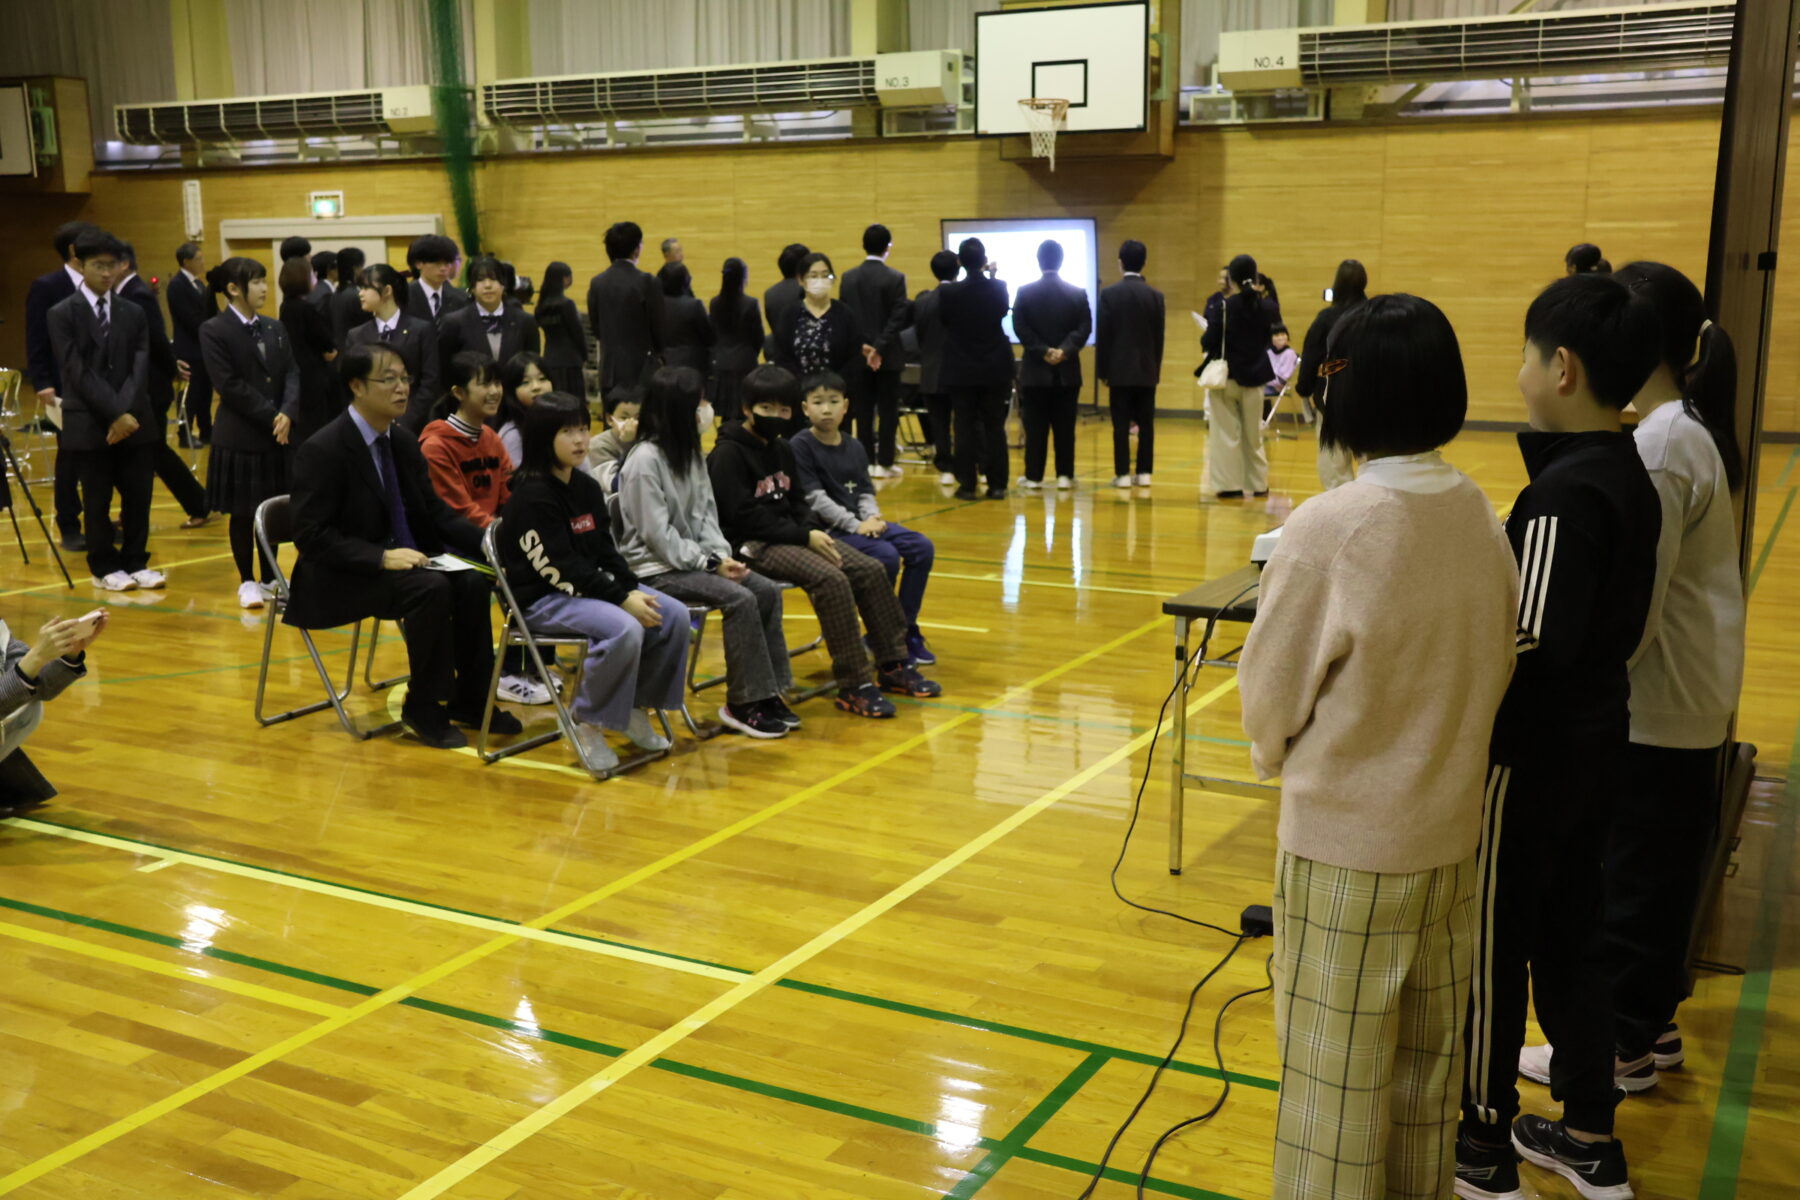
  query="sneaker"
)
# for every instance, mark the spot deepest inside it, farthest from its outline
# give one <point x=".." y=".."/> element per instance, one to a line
<point x="522" y="689"/>
<point x="1143" y="480"/>
<point x="1031" y="485"/>
<point x="903" y="679"/>
<point x="1633" y="1077"/>
<point x="1064" y="483"/>
<point x="148" y="578"/>
<point x="1486" y="1172"/>
<point x="967" y="494"/>
<point x="250" y="594"/>
<point x="115" y="581"/>
<point x="1231" y="495"/>
<point x="501" y="724"/>
<point x="1597" y="1169"/>
<point x="946" y="479"/>
<point x="996" y="494"/>
<point x="595" y="751"/>
<point x="778" y="708"/>
<point x="642" y="733"/>
<point x="754" y="721"/>
<point x="431" y="725"/>
<point x="1121" y="481"/>
<point x="918" y="651"/>
<point x="74" y="543"/>
<point x="1667" y="1050"/>
<point x="865" y="701"/>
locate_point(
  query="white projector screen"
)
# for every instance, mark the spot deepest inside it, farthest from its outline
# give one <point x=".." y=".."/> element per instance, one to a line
<point x="1012" y="247"/>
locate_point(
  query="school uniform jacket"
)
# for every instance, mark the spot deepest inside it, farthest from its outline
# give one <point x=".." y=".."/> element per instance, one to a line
<point x="1128" y="346"/>
<point x="341" y="525"/>
<point x="626" y="312"/>
<point x="102" y="378"/>
<point x="977" y="352"/>
<point x="253" y="386"/>
<point x="415" y="340"/>
<point x="466" y="329"/>
<point x="321" y="295"/>
<point x="347" y="313"/>
<point x="1051" y="314"/>
<point x="876" y="293"/>
<point x="738" y="332"/>
<point x="46" y="292"/>
<point x="559" y="324"/>
<point x="930" y="334"/>
<point x="191" y="305"/>
<point x="418" y="303"/>
<point x="691" y="334"/>
<point x="162" y="355"/>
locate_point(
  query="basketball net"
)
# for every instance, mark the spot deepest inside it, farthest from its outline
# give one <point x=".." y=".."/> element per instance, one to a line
<point x="1044" y="119"/>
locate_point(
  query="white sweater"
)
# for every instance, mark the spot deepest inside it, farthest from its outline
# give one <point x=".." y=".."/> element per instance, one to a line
<point x="1382" y="644"/>
<point x="1687" y="672"/>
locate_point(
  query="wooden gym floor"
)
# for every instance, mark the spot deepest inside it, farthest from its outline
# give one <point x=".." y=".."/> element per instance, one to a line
<point x="875" y="960"/>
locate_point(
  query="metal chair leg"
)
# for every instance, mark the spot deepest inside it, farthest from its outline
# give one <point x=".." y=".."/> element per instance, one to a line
<point x="375" y="685"/>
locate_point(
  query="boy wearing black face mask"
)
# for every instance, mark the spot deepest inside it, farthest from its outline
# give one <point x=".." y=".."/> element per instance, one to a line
<point x="773" y="529"/>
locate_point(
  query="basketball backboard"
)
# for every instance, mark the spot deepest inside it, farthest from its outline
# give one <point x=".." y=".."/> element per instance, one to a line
<point x="1095" y="56"/>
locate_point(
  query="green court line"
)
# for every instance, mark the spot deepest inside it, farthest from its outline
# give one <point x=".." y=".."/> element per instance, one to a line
<point x="1027" y="1128"/>
<point x="1021" y="1032"/>
<point x="1011" y="1146"/>
<point x="1167" y="1188"/>
<point x="249" y="666"/>
<point x="1075" y="721"/>
<point x="1769" y="542"/>
<point x="1731" y="1116"/>
<point x="1793" y="457"/>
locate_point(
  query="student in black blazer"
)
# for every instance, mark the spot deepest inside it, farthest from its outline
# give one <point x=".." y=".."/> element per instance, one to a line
<point x="164" y="368"/>
<point x="366" y="520"/>
<point x="102" y="350"/>
<point x="626" y="312"/>
<point x="432" y="295"/>
<point x="345" y="306"/>
<point x="738" y="335"/>
<point x="819" y="333"/>
<point x="1052" y="320"/>
<point x="977" y="371"/>
<point x="691" y="334"/>
<point x="191" y="305"/>
<point x="876" y="293"/>
<point x="1128" y="359"/>
<point x="46" y="291"/>
<point x="309" y="334"/>
<point x="494" y="325"/>
<point x="565" y="341"/>
<point x="325" y="277"/>
<point x="929" y="332"/>
<point x="414" y="339"/>
<point x="783" y="294"/>
<point x="252" y="364"/>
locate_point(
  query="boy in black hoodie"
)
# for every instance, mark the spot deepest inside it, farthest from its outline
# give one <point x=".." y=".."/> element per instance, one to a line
<point x="770" y="524"/>
<point x="1585" y="530"/>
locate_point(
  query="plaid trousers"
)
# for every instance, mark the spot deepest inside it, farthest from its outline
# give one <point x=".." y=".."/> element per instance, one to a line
<point x="837" y="595"/>
<point x="1371" y="990"/>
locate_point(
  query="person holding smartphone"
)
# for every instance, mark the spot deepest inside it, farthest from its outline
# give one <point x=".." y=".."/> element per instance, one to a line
<point x="30" y="675"/>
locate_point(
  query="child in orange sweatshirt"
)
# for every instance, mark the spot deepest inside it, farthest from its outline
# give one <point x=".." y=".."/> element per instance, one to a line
<point x="469" y="467"/>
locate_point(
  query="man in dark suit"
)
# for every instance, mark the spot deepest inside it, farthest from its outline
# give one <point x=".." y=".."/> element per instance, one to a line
<point x="345" y="305"/>
<point x="876" y="294"/>
<point x="366" y="522"/>
<point x="784" y="293"/>
<point x="102" y="350"/>
<point x="164" y="369"/>
<point x="978" y="370"/>
<point x="1052" y="321"/>
<point x="191" y="305"/>
<point x="625" y="312"/>
<point x="432" y="295"/>
<point x="325" y="278"/>
<point x="47" y="291"/>
<point x="928" y="330"/>
<point x="495" y="325"/>
<point x="384" y="292"/>
<point x="1128" y="359"/>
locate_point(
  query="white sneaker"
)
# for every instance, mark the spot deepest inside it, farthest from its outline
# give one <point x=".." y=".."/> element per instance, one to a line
<point x="115" y="581"/>
<point x="1121" y="481"/>
<point x="1064" y="483"/>
<point x="1031" y="485"/>
<point x="250" y="595"/>
<point x="946" y="479"/>
<point x="268" y="590"/>
<point x="1628" y="1077"/>
<point x="590" y="741"/>
<point x="1143" y="481"/>
<point x="643" y="735"/>
<point x="519" y="689"/>
<point x="148" y="578"/>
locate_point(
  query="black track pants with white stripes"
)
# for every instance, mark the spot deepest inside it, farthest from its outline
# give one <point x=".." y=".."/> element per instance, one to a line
<point x="1538" y="903"/>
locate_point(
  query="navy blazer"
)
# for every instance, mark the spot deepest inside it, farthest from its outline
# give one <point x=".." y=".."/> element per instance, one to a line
<point x="102" y="378"/>
<point x="253" y="385"/>
<point x="1051" y="313"/>
<point x="416" y="342"/>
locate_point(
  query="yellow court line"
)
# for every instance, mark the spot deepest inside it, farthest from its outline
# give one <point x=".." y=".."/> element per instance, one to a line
<point x="124" y="958"/>
<point x="186" y="562"/>
<point x="515" y="933"/>
<point x="647" y="1052"/>
<point x="953" y="628"/>
<point x="996" y="577"/>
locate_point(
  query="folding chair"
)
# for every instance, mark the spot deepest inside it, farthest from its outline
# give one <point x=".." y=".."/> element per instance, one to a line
<point x="910" y="429"/>
<point x="274" y="528"/>
<point x="514" y="632"/>
<point x="698" y="686"/>
<point x="377" y="685"/>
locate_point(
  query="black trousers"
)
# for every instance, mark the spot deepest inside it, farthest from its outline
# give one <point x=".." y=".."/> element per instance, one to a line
<point x="875" y="403"/>
<point x="449" y="636"/>
<point x="173" y="470"/>
<point x="937" y="424"/>
<point x="1658" y="846"/>
<point x="1133" y="405"/>
<point x="66" y="490"/>
<point x="129" y="469"/>
<point x="1539" y="888"/>
<point x="979" y="414"/>
<point x="1049" y="415"/>
<point x="199" y="399"/>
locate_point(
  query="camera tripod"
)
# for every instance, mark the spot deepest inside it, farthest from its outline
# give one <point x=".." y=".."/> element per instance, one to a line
<point x="13" y="472"/>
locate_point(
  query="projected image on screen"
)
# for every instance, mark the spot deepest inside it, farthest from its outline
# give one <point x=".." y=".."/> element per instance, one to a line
<point x="1012" y="246"/>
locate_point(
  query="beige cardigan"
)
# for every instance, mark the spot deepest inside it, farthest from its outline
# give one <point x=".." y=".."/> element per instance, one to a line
<point x="1382" y="645"/>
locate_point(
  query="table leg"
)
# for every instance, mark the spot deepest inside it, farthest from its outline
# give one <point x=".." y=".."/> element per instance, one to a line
<point x="1178" y="760"/>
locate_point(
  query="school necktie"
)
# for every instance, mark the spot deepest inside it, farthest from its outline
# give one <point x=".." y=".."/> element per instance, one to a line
<point x="387" y="335"/>
<point x="436" y="302"/>
<point x="492" y="323"/>
<point x="256" y="337"/>
<point x="105" y="324"/>
<point x="396" y="505"/>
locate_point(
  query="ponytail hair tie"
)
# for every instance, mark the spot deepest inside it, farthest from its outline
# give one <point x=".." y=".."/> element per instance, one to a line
<point x="1698" y="339"/>
<point x="1704" y="326"/>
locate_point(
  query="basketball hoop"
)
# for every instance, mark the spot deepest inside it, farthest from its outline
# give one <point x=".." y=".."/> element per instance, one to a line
<point x="1044" y="118"/>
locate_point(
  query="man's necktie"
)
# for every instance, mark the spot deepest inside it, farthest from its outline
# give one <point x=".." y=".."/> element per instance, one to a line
<point x="387" y="335"/>
<point x="100" y="311"/>
<point x="400" y="531"/>
<point x="436" y="301"/>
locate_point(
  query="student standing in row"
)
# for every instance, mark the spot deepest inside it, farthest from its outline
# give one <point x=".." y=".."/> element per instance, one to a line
<point x="928" y="328"/>
<point x="345" y="307"/>
<point x="45" y="292"/>
<point x="494" y="324"/>
<point x="1052" y="321"/>
<point x="432" y="258"/>
<point x="781" y="295"/>
<point x="690" y="331"/>
<point x="385" y="292"/>
<point x="309" y="334"/>
<point x="737" y="333"/>
<point x="626" y="312"/>
<point x="819" y="333"/>
<point x="325" y="277"/>
<point x="559" y="322"/>
<point x="876" y="294"/>
<point x="191" y="305"/>
<point x="1235" y="457"/>
<point x="165" y="368"/>
<point x="1128" y="350"/>
<point x="977" y="371"/>
<point x="1348" y="289"/>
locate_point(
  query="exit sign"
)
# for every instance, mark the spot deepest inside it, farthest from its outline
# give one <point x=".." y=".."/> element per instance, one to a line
<point x="327" y="205"/>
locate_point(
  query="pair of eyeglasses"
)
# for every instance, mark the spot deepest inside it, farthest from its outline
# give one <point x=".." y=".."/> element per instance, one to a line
<point x="1328" y="369"/>
<point x="391" y="380"/>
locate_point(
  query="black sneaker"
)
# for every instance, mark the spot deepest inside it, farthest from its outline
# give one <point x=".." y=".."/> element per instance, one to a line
<point x="961" y="493"/>
<point x="1668" y="1051"/>
<point x="918" y="651"/>
<point x="1231" y="495"/>
<point x="752" y="720"/>
<point x="430" y="724"/>
<point x="994" y="493"/>
<point x="865" y="701"/>
<point x="74" y="543"/>
<point x="1597" y="1169"/>
<point x="1486" y="1172"/>
<point x="903" y="679"/>
<point x="501" y="724"/>
<point x="778" y="708"/>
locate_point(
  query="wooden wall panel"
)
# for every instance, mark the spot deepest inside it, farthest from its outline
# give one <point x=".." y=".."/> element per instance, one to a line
<point x="1474" y="214"/>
